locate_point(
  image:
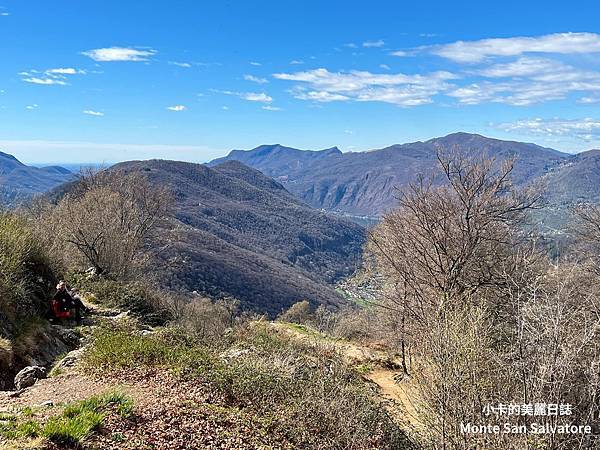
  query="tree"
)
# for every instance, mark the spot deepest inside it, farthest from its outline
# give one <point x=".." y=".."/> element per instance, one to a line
<point x="106" y="218"/>
<point x="448" y="241"/>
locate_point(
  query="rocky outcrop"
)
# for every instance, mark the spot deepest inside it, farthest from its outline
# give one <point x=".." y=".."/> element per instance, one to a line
<point x="28" y="376"/>
<point x="39" y="346"/>
<point x="70" y="359"/>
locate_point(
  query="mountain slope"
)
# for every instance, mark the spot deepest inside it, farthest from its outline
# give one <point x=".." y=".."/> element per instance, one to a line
<point x="239" y="233"/>
<point x="20" y="182"/>
<point x="365" y="183"/>
<point x="576" y="180"/>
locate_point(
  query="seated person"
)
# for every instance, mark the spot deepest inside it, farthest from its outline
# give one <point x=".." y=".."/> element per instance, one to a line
<point x="68" y="301"/>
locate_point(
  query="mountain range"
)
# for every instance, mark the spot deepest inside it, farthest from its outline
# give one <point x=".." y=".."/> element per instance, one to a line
<point x="366" y="183"/>
<point x="20" y="182"/>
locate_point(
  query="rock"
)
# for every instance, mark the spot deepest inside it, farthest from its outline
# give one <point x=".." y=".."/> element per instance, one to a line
<point x="145" y="332"/>
<point x="70" y="359"/>
<point x="92" y="273"/>
<point x="67" y="335"/>
<point x="28" y="376"/>
<point x="121" y="316"/>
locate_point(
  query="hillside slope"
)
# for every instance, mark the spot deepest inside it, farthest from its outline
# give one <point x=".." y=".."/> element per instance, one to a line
<point x="238" y="233"/>
<point x="576" y="180"/>
<point x="365" y="183"/>
<point x="20" y="182"/>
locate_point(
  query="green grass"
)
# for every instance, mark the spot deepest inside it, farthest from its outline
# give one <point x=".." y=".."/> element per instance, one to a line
<point x="115" y="350"/>
<point x="72" y="430"/>
<point x="7" y="417"/>
<point x="118" y="400"/>
<point x="16" y="430"/>
<point x="76" y="422"/>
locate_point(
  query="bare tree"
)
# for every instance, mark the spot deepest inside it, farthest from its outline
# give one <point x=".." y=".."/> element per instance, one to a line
<point x="449" y="241"/>
<point x="106" y="218"/>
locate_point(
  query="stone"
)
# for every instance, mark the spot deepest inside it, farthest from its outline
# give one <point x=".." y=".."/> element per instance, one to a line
<point x="70" y="359"/>
<point x="145" y="332"/>
<point x="28" y="376"/>
<point x="67" y="335"/>
<point x="121" y="316"/>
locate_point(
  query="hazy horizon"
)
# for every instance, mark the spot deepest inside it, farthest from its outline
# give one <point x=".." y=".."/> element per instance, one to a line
<point x="177" y="153"/>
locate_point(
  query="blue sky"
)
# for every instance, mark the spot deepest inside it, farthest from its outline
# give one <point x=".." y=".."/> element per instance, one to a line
<point x="115" y="80"/>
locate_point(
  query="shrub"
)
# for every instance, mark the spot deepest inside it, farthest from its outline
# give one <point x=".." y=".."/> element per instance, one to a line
<point x="136" y="297"/>
<point x="22" y="263"/>
<point x="299" y="313"/>
<point x="203" y="318"/>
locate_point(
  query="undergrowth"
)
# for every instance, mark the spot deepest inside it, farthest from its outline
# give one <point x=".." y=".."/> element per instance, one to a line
<point x="304" y="388"/>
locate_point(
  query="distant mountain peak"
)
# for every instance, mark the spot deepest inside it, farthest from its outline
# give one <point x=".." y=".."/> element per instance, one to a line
<point x="19" y="182"/>
<point x="11" y="158"/>
<point x="332" y="150"/>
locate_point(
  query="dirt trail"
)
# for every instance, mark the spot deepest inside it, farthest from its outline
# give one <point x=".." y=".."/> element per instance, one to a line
<point x="69" y="385"/>
<point x="64" y="388"/>
<point x="383" y="370"/>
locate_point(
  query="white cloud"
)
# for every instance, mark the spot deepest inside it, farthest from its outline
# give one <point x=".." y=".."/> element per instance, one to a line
<point x="45" y="81"/>
<point x="296" y="62"/>
<point x="119" y="54"/>
<point x="384" y="67"/>
<point x="180" y="64"/>
<point x="257" y="97"/>
<point x="559" y="43"/>
<point x="271" y="108"/>
<point x="401" y="53"/>
<point x="522" y="67"/>
<point x="529" y="81"/>
<point x="589" y="100"/>
<point x="177" y="108"/>
<point x="65" y="71"/>
<point x="585" y="129"/>
<point x="351" y="45"/>
<point x="90" y="112"/>
<point x="57" y="76"/>
<point x="250" y="96"/>
<point x="319" y="96"/>
<point x="31" y="107"/>
<point x="400" y="89"/>
<point x="225" y="108"/>
<point x="254" y="63"/>
<point x="373" y="44"/>
<point x="255" y="79"/>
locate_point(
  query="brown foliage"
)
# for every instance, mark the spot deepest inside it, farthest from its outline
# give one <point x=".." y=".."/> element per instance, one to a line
<point x="105" y="219"/>
<point x="487" y="317"/>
